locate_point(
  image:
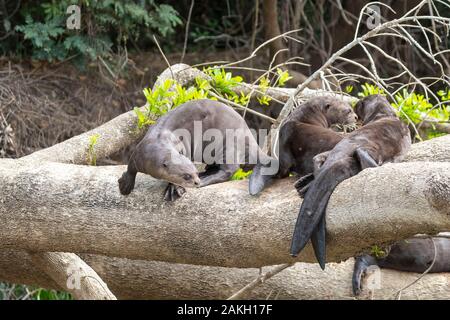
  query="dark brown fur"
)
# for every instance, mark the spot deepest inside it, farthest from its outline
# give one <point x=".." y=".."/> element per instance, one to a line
<point x="304" y="134"/>
<point x="383" y="138"/>
<point x="413" y="255"/>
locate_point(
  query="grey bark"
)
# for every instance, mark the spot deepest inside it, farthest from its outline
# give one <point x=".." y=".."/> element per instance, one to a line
<point x="72" y="275"/>
<point x="70" y="208"/>
<point x="133" y="279"/>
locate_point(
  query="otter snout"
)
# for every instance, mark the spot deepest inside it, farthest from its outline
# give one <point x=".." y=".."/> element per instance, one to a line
<point x="191" y="180"/>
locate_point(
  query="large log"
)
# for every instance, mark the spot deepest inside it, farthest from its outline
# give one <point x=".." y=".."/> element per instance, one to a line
<point x="71" y="208"/>
<point x="133" y="279"/>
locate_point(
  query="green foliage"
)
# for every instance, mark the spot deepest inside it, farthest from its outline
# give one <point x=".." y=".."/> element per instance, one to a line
<point x="444" y="94"/>
<point x="92" y="156"/>
<point x="42" y="37"/>
<point x="264" y="84"/>
<point x="170" y="94"/>
<point x="159" y="100"/>
<point x="282" y="77"/>
<point x="20" y="292"/>
<point x="143" y="119"/>
<point x="44" y="294"/>
<point x="377" y="252"/>
<point x="241" y="174"/>
<point x="369" y="89"/>
<point x="414" y="107"/>
<point x="104" y="25"/>
<point x="223" y="81"/>
<point x="348" y="89"/>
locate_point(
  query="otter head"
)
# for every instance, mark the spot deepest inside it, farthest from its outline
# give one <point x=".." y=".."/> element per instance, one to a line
<point x="374" y="107"/>
<point x="167" y="163"/>
<point x="337" y="112"/>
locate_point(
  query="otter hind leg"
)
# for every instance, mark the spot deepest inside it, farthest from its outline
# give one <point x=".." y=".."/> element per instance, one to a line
<point x="173" y="192"/>
<point x="126" y="182"/>
<point x="223" y="174"/>
<point x="302" y="184"/>
<point x="365" y="159"/>
<point x="362" y="264"/>
<point x="209" y="170"/>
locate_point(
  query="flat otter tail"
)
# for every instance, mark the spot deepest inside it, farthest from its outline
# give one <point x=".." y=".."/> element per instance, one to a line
<point x="258" y="181"/>
<point x="314" y="205"/>
<point x="126" y="182"/>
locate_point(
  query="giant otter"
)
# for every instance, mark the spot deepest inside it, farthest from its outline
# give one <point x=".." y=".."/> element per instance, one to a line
<point x="382" y="138"/>
<point x="414" y="255"/>
<point x="304" y="134"/>
<point x="185" y="134"/>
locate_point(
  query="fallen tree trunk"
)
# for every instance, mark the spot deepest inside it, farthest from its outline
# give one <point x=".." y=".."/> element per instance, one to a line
<point x="71" y="208"/>
<point x="133" y="279"/>
<point x="92" y="217"/>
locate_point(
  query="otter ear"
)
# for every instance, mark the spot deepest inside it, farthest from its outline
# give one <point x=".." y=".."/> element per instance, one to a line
<point x="359" y="109"/>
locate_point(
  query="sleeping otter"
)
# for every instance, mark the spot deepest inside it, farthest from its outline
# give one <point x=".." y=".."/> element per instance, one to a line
<point x="184" y="134"/>
<point x="304" y="134"/>
<point x="383" y="138"/>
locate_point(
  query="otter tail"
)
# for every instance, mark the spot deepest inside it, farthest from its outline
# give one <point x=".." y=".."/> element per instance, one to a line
<point x="259" y="178"/>
<point x="362" y="263"/>
<point x="311" y="217"/>
<point x="126" y="182"/>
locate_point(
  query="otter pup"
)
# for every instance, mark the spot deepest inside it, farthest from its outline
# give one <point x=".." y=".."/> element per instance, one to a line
<point x="304" y="134"/>
<point x="382" y="138"/>
<point x="185" y="134"/>
<point x="414" y="255"/>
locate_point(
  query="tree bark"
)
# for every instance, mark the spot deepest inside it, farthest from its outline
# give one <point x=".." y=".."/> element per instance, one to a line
<point x="73" y="275"/>
<point x="219" y="225"/>
<point x="134" y="279"/>
<point x="272" y="30"/>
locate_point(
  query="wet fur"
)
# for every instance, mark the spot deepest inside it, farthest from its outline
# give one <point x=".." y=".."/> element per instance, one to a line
<point x="383" y="138"/>
<point x="304" y="134"/>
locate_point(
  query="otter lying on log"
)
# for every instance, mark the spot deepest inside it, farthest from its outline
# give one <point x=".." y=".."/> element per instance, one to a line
<point x="417" y="254"/>
<point x="184" y="135"/>
<point x="383" y="138"/>
<point x="304" y="134"/>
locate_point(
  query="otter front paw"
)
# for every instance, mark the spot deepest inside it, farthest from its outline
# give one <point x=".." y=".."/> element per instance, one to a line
<point x="126" y="183"/>
<point x="302" y="184"/>
<point x="173" y="192"/>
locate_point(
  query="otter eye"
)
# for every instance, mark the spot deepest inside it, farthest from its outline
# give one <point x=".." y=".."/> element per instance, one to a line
<point x="187" y="176"/>
<point x="165" y="165"/>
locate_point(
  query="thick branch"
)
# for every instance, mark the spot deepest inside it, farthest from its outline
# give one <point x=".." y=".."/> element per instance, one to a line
<point x="69" y="208"/>
<point x="64" y="267"/>
<point x="133" y="279"/>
